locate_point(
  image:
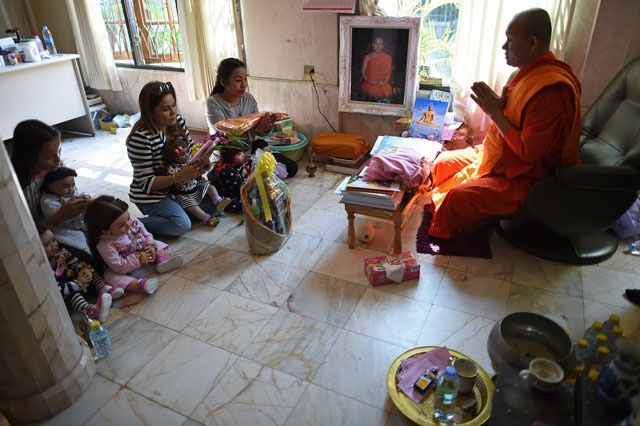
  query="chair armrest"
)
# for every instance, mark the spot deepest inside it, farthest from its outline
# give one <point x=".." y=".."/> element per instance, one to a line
<point x="597" y="177"/>
<point x="583" y="199"/>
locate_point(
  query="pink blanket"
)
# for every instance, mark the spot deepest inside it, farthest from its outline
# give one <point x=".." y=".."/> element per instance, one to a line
<point x="404" y="166"/>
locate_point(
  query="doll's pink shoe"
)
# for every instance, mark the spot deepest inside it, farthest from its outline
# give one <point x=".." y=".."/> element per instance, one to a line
<point x="115" y="292"/>
<point x="147" y="285"/>
<point x="100" y="311"/>
<point x="167" y="263"/>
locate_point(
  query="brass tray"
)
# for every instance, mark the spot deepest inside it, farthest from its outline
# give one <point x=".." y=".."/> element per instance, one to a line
<point x="422" y="413"/>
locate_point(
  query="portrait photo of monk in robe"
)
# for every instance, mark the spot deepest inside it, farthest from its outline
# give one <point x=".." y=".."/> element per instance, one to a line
<point x="378" y="65"/>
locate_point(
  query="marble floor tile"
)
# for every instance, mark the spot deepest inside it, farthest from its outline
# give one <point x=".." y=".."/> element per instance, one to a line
<point x="423" y="289"/>
<point x="607" y="286"/>
<point x="621" y="260"/>
<point x="321" y="223"/>
<point x="383" y="235"/>
<point x="235" y="239"/>
<point x="182" y="374"/>
<point x="565" y="310"/>
<point x="547" y="275"/>
<point x="230" y="322"/>
<point x="94" y="398"/>
<point x="297" y="210"/>
<point x="347" y="264"/>
<point x="187" y="247"/>
<point x="357" y="367"/>
<point x="399" y="420"/>
<point x="129" y="408"/>
<point x="301" y="250"/>
<point x="216" y="267"/>
<point x="413" y="219"/>
<point x="325" y="298"/>
<point x="135" y="342"/>
<point x="499" y="266"/>
<point x="267" y="282"/>
<point x="322" y="407"/>
<point x="325" y="179"/>
<point x="409" y="244"/>
<point x="388" y="317"/>
<point x="209" y="235"/>
<point x="176" y="303"/>
<point x="305" y="194"/>
<point x="458" y="331"/>
<point x="473" y="294"/>
<point x="293" y="344"/>
<point x="330" y="201"/>
<point x="250" y="394"/>
<point x="629" y="315"/>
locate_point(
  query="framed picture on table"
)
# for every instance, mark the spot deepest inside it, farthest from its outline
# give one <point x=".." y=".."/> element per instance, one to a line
<point x="378" y="64"/>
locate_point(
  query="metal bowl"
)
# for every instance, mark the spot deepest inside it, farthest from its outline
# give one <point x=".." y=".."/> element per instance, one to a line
<point x="522" y="336"/>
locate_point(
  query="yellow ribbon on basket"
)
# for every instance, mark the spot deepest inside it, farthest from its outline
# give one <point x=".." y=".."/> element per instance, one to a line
<point x="265" y="167"/>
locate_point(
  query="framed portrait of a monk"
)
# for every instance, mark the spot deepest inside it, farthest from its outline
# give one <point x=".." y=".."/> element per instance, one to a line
<point x="378" y="64"/>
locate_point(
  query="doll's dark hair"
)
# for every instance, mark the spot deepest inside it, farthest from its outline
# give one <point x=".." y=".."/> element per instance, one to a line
<point x="225" y="69"/>
<point x="227" y="154"/>
<point x="29" y="137"/>
<point x="57" y="174"/>
<point x="169" y="155"/>
<point x="258" y="144"/>
<point x="41" y="229"/>
<point x="100" y="214"/>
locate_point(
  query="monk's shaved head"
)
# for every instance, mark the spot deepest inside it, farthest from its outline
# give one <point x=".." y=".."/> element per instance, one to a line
<point x="535" y="22"/>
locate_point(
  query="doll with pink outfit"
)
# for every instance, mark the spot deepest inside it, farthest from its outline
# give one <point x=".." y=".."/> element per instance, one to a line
<point x="122" y="245"/>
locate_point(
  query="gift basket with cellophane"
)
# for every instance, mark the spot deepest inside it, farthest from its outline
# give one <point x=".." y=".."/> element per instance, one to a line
<point x="266" y="202"/>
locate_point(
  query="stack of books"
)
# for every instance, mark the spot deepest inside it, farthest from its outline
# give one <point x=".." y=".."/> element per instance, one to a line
<point x="348" y="166"/>
<point x="384" y="195"/>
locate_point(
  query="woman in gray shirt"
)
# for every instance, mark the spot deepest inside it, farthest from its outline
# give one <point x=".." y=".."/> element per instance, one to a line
<point x="230" y="99"/>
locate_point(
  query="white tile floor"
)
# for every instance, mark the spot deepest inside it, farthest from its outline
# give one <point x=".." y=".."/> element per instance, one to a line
<point x="299" y="337"/>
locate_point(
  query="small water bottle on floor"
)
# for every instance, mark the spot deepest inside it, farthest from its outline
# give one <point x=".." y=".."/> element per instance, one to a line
<point x="100" y="339"/>
<point x="445" y="399"/>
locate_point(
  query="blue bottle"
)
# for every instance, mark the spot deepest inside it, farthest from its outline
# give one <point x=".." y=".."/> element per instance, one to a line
<point x="100" y="339"/>
<point x="445" y="399"/>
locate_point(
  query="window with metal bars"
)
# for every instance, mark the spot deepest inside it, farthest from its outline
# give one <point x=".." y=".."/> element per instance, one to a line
<point x="144" y="33"/>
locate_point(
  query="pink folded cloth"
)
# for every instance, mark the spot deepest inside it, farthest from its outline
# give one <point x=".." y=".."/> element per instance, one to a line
<point x="416" y="366"/>
<point x="404" y="166"/>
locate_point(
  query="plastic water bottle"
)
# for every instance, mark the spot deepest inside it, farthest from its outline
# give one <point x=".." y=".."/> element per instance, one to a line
<point x="615" y="335"/>
<point x="445" y="399"/>
<point x="602" y="359"/>
<point x="593" y="331"/>
<point x="48" y="41"/>
<point x="100" y="339"/>
<point x="582" y="351"/>
<point x="607" y="327"/>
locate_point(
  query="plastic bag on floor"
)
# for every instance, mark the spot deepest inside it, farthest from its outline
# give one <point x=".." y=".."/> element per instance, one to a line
<point x="628" y="224"/>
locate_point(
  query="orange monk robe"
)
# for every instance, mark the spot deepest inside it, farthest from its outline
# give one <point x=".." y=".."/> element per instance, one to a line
<point x="378" y="69"/>
<point x="543" y="104"/>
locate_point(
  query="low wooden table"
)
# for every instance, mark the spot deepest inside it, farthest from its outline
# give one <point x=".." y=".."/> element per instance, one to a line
<point x="396" y="216"/>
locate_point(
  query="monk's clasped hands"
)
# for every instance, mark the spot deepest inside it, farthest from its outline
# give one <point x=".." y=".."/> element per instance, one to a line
<point x="487" y="99"/>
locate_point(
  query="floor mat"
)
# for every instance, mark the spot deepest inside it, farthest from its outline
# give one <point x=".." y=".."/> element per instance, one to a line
<point x="474" y="244"/>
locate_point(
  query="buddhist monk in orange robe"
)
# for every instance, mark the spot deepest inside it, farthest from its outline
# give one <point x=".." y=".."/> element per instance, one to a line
<point x="376" y="71"/>
<point x="535" y="127"/>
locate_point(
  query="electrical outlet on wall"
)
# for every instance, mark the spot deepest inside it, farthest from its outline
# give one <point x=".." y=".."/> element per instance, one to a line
<point x="307" y="72"/>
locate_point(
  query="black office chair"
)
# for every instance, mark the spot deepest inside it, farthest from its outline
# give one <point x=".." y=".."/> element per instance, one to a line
<point x="566" y="215"/>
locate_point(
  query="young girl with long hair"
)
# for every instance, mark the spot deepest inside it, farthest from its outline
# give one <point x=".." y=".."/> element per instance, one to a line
<point x="121" y="244"/>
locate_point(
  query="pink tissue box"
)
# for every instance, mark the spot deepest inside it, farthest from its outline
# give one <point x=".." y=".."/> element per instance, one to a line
<point x="392" y="268"/>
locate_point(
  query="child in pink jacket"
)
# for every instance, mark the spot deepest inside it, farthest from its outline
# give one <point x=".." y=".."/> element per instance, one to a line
<point x="121" y="244"/>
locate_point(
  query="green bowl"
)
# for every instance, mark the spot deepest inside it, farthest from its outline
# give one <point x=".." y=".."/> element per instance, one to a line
<point x="294" y="151"/>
